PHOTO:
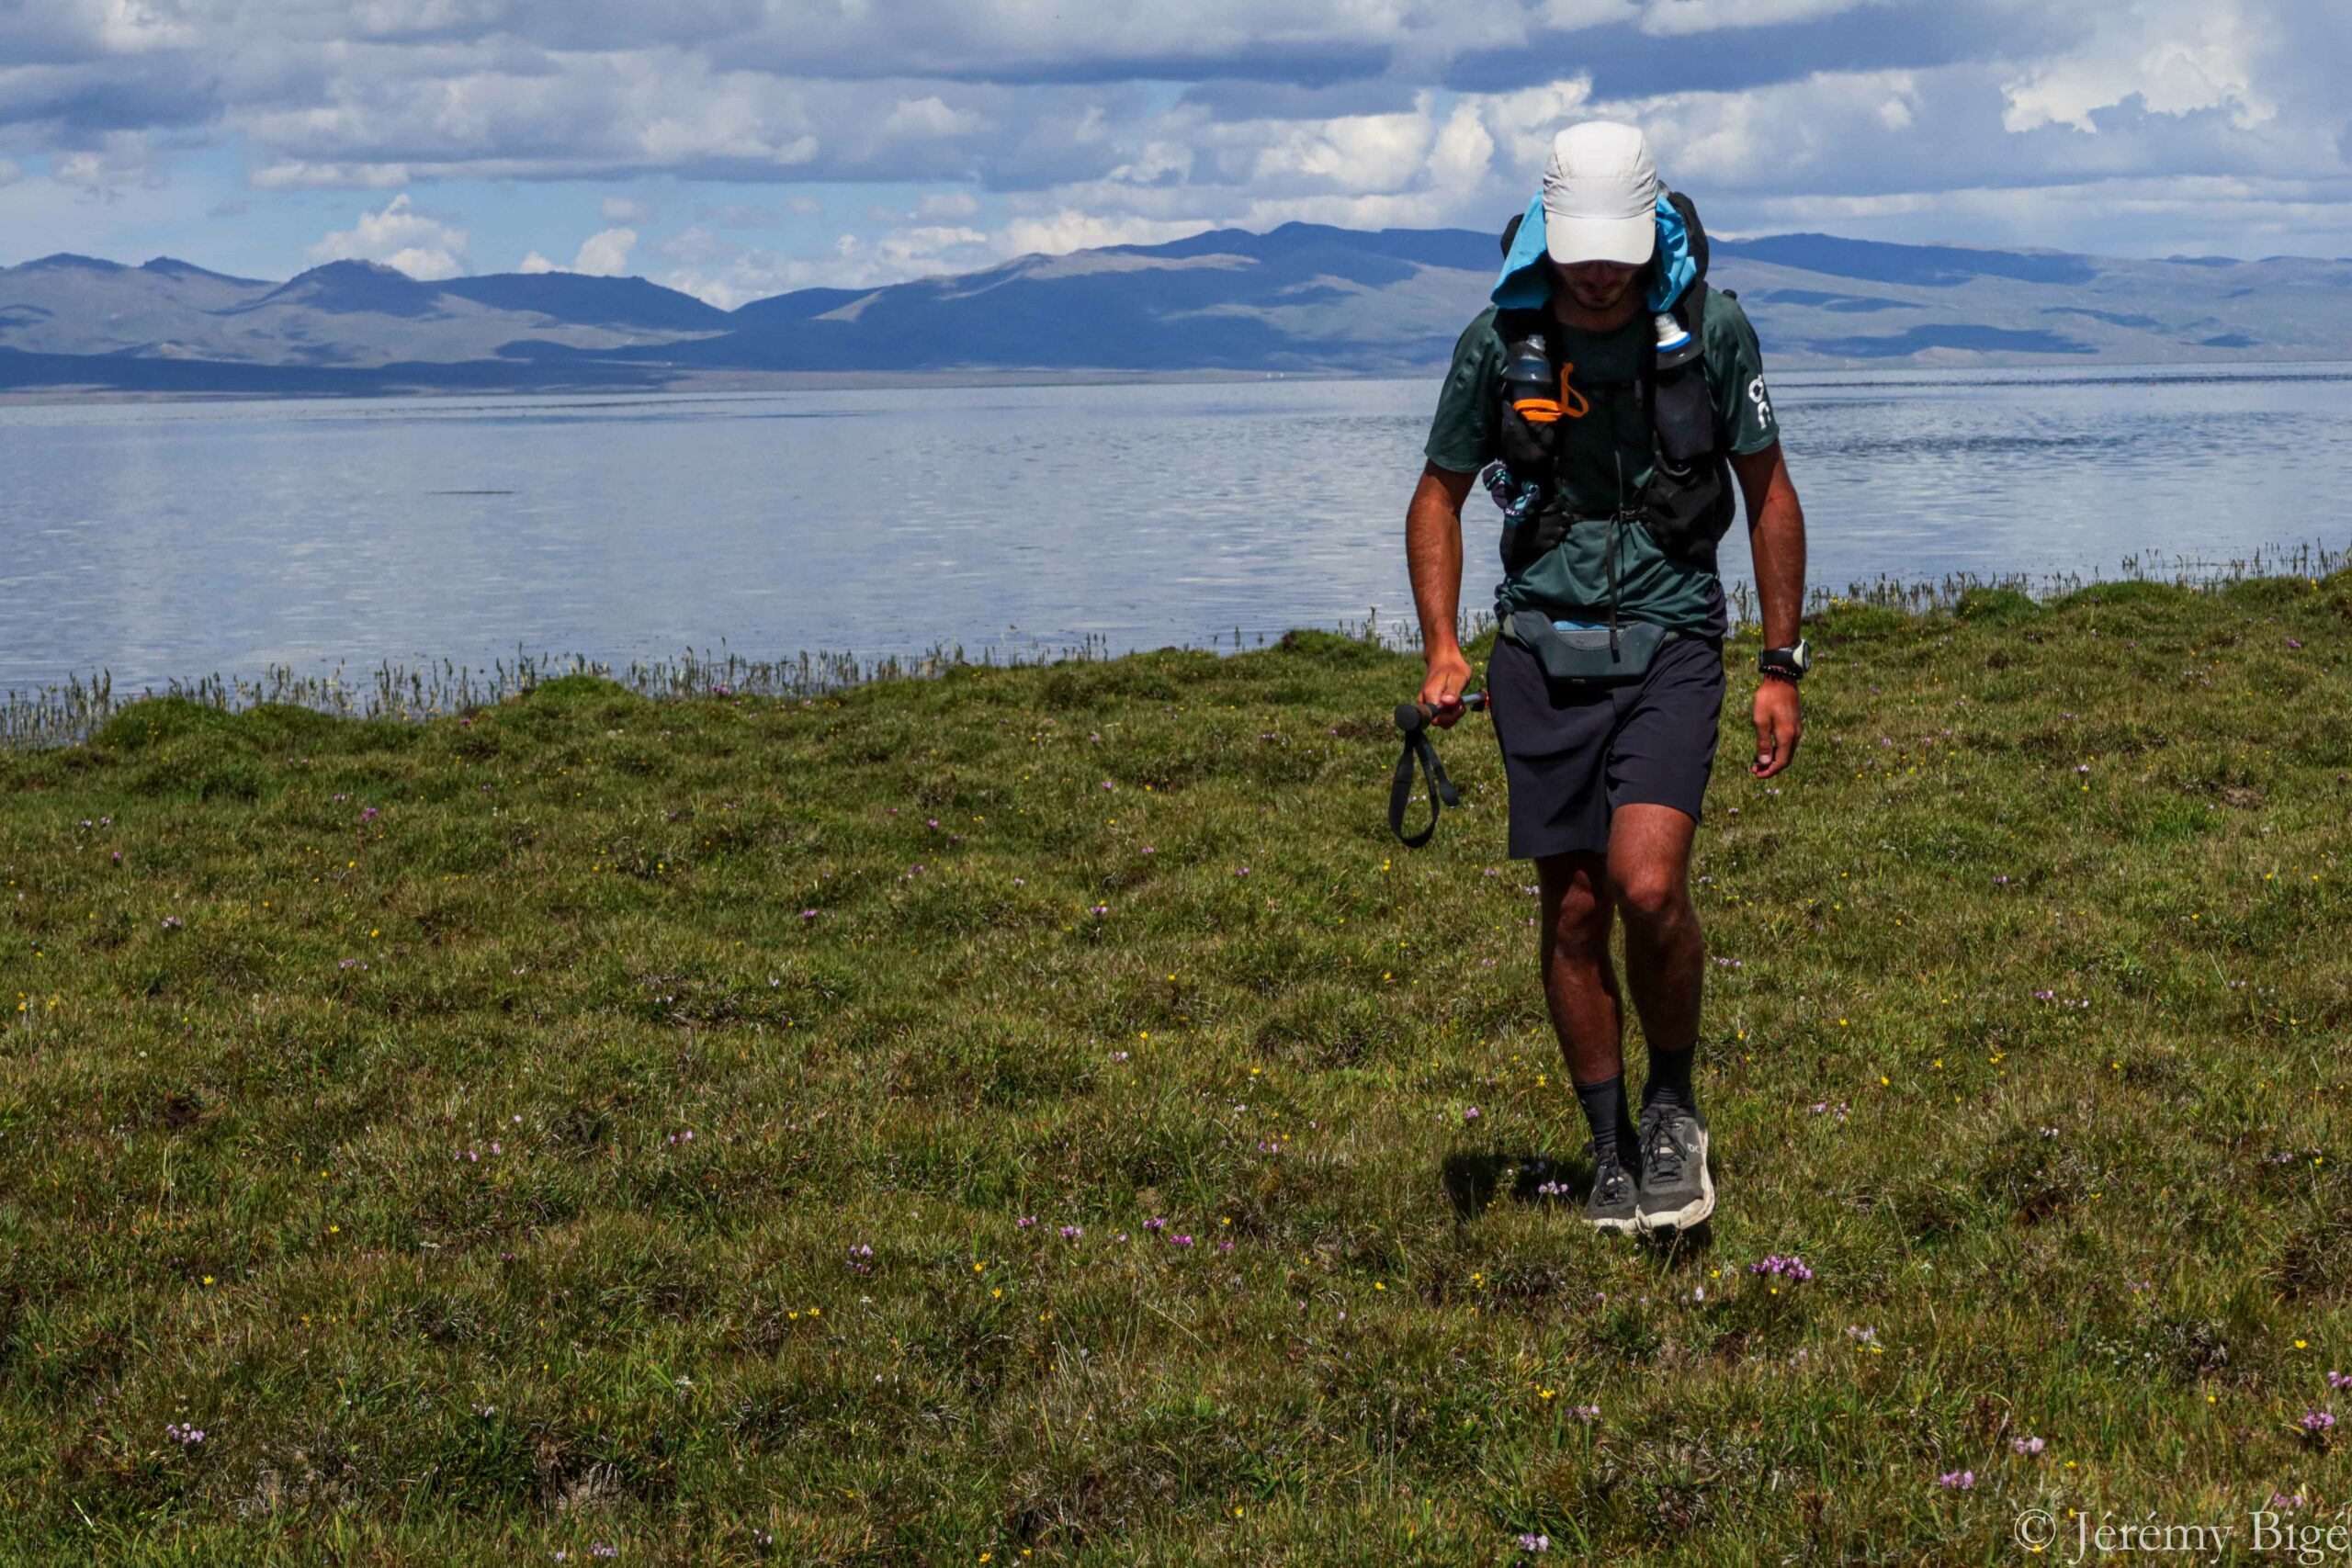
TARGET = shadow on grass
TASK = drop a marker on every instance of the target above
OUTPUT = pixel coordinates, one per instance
(1475, 1184)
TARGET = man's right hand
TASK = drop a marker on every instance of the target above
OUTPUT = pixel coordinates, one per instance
(1441, 689)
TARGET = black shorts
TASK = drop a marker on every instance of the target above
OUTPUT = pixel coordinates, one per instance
(1572, 756)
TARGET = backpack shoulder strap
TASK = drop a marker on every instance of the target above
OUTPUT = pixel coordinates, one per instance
(1694, 231)
(1691, 311)
(1513, 325)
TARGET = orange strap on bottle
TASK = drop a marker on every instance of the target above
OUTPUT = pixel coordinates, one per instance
(1572, 404)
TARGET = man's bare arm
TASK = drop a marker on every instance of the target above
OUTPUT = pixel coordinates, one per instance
(1433, 556)
(1776, 539)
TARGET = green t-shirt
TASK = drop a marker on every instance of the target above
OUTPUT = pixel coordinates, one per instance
(1573, 580)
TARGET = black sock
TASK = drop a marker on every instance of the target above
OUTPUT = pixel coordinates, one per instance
(1670, 1078)
(1604, 1111)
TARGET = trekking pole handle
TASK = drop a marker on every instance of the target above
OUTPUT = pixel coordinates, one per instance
(1411, 717)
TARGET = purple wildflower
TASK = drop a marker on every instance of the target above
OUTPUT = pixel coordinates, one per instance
(1957, 1480)
(1790, 1268)
(2027, 1445)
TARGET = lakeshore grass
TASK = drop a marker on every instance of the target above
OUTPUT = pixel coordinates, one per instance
(599, 1125)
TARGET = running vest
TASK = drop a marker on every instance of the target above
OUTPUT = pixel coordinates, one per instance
(1687, 504)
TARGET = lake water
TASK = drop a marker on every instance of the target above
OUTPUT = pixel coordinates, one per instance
(180, 539)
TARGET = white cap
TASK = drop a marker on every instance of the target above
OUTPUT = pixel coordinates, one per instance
(1601, 195)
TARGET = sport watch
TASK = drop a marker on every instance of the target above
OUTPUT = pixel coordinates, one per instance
(1791, 662)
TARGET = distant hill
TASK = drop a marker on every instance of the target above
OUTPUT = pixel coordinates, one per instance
(1302, 298)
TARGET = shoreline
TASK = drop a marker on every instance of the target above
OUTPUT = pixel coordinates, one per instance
(1788, 371)
(67, 711)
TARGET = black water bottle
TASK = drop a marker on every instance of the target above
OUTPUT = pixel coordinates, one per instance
(1528, 383)
(1686, 414)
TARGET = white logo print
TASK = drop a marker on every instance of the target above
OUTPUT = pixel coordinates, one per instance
(1756, 396)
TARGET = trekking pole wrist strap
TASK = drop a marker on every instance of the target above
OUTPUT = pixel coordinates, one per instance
(1400, 787)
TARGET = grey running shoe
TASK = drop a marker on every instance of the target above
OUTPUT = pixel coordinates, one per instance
(1676, 1191)
(1611, 1205)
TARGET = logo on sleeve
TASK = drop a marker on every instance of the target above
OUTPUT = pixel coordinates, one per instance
(1763, 408)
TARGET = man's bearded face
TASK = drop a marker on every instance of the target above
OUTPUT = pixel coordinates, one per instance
(1596, 286)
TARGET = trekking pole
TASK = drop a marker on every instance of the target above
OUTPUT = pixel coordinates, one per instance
(1414, 721)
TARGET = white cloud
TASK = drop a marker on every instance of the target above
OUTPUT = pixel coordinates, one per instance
(1057, 233)
(2174, 56)
(295, 173)
(9, 173)
(930, 117)
(606, 253)
(1670, 19)
(1040, 128)
(118, 160)
(603, 254)
(399, 236)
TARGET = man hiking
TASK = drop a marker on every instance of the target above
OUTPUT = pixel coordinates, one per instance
(1608, 395)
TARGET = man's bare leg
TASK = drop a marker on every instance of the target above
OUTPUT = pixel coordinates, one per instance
(1649, 883)
(1580, 987)
(1579, 981)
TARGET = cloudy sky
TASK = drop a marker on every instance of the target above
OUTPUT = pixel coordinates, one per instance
(740, 148)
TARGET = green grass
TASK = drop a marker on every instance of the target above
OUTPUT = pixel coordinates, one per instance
(350, 1071)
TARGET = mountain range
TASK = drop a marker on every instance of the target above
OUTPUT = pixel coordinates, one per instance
(1302, 298)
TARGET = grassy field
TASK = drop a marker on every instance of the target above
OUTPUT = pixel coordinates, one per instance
(1039, 1116)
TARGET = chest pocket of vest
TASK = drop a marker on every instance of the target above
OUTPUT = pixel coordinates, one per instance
(1688, 504)
(1685, 416)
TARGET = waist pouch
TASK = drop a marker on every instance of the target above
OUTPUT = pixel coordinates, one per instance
(1588, 657)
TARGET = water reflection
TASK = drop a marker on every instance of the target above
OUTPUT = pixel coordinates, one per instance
(184, 538)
